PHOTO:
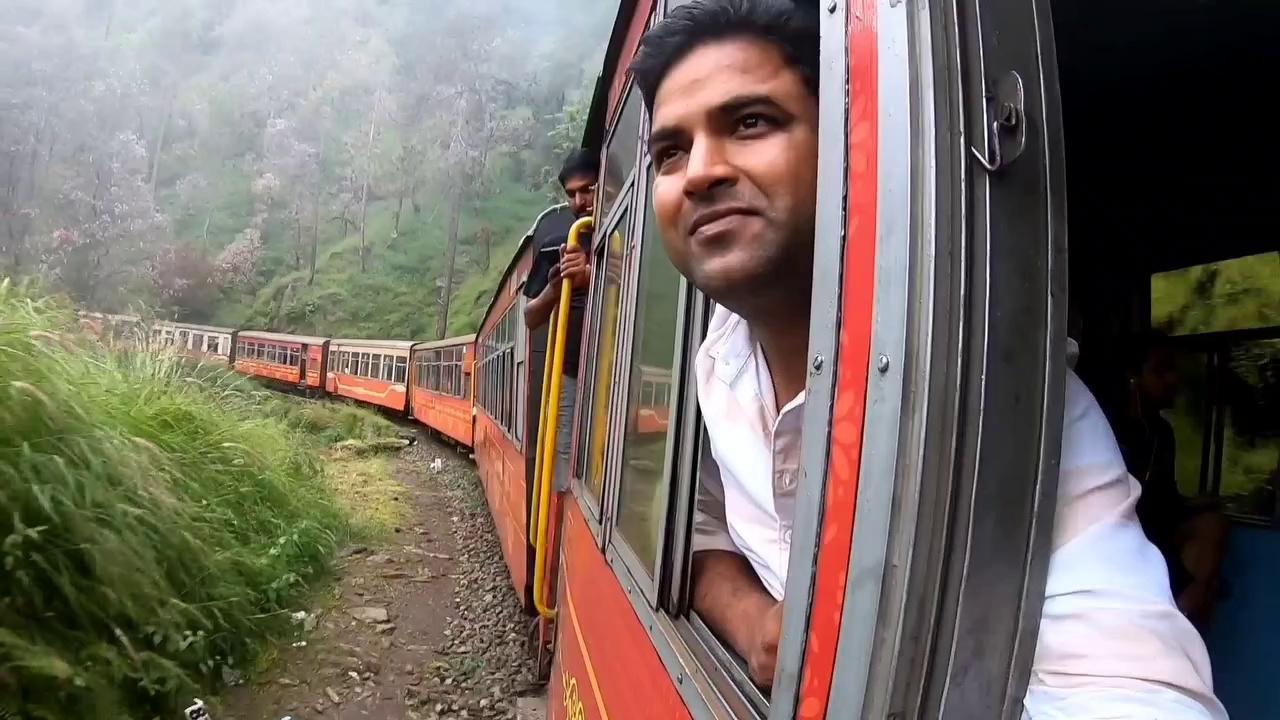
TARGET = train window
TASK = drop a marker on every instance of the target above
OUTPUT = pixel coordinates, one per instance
(621, 152)
(402, 369)
(613, 252)
(1235, 294)
(363, 370)
(1251, 429)
(647, 444)
(375, 366)
(198, 342)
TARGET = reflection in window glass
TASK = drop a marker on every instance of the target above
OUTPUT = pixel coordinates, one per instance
(1228, 295)
(620, 156)
(640, 506)
(1251, 444)
(614, 253)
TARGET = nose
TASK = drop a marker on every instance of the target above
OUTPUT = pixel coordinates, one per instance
(707, 168)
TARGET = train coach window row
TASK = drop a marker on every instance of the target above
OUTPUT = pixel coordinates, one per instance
(268, 352)
(440, 371)
(499, 390)
(375, 366)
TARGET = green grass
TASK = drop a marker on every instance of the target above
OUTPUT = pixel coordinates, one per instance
(328, 423)
(156, 521)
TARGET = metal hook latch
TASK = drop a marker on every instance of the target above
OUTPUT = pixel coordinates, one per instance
(1008, 135)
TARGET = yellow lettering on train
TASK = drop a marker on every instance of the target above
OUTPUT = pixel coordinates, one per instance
(573, 709)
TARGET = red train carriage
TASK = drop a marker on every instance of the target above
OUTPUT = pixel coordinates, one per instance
(371, 371)
(296, 360)
(508, 382)
(441, 388)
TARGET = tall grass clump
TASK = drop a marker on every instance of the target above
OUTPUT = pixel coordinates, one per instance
(155, 523)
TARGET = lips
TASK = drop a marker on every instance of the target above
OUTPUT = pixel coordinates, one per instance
(712, 216)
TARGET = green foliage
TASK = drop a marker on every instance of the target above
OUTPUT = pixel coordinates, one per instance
(329, 422)
(155, 523)
(1228, 295)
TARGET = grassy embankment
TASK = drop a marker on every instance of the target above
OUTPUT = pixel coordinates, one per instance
(157, 520)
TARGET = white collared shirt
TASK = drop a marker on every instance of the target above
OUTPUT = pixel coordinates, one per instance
(1112, 643)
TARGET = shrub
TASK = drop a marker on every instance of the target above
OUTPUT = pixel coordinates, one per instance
(155, 522)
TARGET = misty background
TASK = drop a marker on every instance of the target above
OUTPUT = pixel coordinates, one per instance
(338, 167)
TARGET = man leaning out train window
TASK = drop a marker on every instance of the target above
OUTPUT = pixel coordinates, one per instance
(731, 86)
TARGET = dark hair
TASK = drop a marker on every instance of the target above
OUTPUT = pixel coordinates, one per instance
(790, 25)
(581, 162)
(1142, 346)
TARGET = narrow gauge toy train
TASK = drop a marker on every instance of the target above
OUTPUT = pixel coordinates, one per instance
(925, 496)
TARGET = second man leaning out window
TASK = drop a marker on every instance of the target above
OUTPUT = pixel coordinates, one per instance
(553, 262)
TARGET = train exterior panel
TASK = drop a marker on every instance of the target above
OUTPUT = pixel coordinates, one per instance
(370, 371)
(441, 388)
(621, 678)
(281, 357)
(506, 408)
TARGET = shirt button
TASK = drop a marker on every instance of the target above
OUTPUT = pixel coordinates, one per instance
(786, 481)
(786, 537)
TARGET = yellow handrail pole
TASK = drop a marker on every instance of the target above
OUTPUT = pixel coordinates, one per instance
(542, 431)
(548, 458)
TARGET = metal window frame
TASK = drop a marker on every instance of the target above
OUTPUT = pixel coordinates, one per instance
(650, 583)
(824, 335)
(595, 508)
(949, 589)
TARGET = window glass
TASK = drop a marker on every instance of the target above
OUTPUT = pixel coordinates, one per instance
(363, 370)
(614, 253)
(641, 494)
(402, 365)
(620, 156)
(375, 366)
(1251, 443)
(1229, 295)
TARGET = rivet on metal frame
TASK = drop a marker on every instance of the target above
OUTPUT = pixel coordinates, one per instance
(882, 364)
(831, 6)
(818, 363)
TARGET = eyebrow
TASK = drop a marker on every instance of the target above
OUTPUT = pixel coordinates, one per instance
(733, 105)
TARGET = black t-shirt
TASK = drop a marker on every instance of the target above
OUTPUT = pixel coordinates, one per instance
(1150, 455)
(551, 233)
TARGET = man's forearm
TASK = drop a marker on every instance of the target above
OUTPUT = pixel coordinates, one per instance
(727, 595)
(538, 311)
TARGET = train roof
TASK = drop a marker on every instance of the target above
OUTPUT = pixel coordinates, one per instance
(515, 257)
(447, 342)
(388, 344)
(598, 111)
(283, 337)
(202, 328)
(116, 317)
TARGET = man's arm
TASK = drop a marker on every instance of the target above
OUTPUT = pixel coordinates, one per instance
(730, 599)
(727, 593)
(538, 310)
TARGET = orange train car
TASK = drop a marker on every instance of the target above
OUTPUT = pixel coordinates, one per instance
(370, 371)
(508, 382)
(440, 386)
(295, 360)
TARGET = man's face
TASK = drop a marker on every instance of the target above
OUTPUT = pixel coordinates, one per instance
(1158, 381)
(735, 149)
(581, 191)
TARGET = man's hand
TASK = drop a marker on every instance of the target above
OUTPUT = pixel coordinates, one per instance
(763, 659)
(574, 266)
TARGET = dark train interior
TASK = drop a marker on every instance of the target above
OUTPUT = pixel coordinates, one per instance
(1173, 177)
